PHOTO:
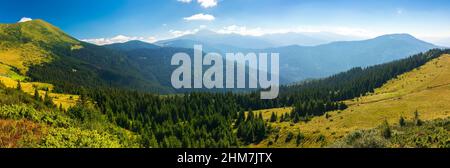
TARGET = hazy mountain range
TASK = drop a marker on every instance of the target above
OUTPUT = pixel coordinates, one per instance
(299, 62)
(45, 53)
(219, 41)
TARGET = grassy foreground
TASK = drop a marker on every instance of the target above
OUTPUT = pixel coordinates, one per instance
(425, 90)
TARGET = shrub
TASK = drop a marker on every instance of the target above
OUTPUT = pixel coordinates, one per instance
(362, 139)
(77, 138)
(22, 111)
(276, 137)
(321, 138)
(289, 137)
(299, 138)
(386, 130)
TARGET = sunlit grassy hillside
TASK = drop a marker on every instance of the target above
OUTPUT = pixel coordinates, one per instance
(65, 100)
(26, 122)
(425, 89)
(30, 43)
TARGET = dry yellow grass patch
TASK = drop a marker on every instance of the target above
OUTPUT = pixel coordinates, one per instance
(66, 100)
(425, 89)
(4, 69)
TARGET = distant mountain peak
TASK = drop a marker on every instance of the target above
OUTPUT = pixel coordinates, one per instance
(404, 37)
(399, 36)
(137, 42)
(132, 45)
(390, 39)
(206, 32)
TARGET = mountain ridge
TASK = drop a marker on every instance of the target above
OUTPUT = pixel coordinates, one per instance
(39, 51)
(298, 63)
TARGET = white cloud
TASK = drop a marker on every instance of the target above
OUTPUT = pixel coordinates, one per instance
(359, 32)
(178, 33)
(185, 1)
(207, 3)
(242, 30)
(119, 39)
(200, 16)
(246, 31)
(25, 19)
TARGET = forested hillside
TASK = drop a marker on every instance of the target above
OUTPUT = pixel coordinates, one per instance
(212, 117)
(315, 97)
(115, 98)
(38, 51)
(34, 121)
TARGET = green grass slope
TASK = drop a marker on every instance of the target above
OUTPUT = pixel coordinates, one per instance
(425, 89)
(31, 43)
(38, 51)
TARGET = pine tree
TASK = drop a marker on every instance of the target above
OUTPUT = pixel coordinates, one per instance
(289, 137)
(250, 115)
(48, 100)
(299, 138)
(241, 118)
(150, 140)
(286, 117)
(273, 117)
(386, 130)
(296, 118)
(19, 86)
(417, 120)
(36, 95)
(402, 121)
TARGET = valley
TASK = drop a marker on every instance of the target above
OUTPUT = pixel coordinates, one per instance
(57, 91)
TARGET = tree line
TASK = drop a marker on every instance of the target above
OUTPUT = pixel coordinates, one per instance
(226, 119)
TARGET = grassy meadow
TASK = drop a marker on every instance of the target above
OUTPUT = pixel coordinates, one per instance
(424, 90)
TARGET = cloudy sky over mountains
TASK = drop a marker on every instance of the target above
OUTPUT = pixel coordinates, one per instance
(105, 21)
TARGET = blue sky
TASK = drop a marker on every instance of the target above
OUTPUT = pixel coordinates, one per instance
(152, 20)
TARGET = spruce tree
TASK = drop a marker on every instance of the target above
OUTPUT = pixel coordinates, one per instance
(299, 138)
(402, 121)
(296, 118)
(417, 120)
(250, 115)
(386, 130)
(36, 95)
(19, 86)
(48, 100)
(241, 118)
(273, 117)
